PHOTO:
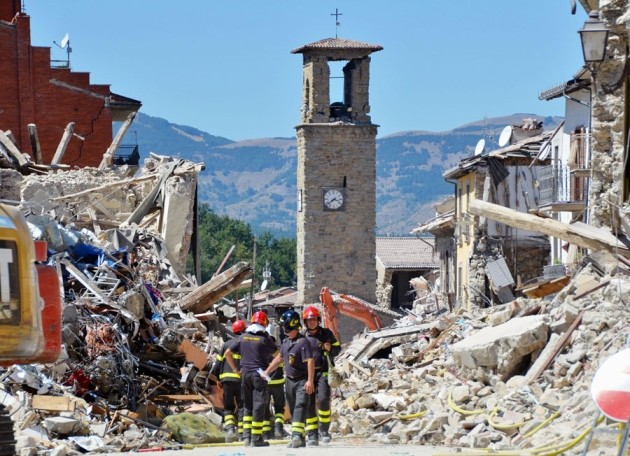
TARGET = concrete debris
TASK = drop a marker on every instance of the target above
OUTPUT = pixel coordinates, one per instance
(138, 335)
(496, 379)
(133, 352)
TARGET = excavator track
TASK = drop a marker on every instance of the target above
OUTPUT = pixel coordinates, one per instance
(7, 437)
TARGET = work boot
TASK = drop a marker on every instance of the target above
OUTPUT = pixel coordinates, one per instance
(247, 439)
(258, 441)
(312, 440)
(278, 431)
(324, 436)
(297, 441)
(231, 435)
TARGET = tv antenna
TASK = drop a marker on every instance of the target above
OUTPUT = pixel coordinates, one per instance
(65, 44)
(337, 23)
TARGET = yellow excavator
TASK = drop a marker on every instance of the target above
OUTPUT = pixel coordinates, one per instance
(30, 305)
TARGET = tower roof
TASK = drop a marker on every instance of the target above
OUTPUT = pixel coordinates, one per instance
(336, 44)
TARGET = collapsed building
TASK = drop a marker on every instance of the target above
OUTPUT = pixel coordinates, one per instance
(138, 335)
(132, 318)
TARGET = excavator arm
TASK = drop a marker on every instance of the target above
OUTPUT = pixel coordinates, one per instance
(346, 305)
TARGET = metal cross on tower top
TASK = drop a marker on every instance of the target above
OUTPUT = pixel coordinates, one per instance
(337, 23)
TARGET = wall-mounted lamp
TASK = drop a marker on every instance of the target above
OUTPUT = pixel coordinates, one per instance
(594, 36)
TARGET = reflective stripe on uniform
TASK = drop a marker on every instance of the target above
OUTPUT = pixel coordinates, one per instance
(297, 427)
(257, 427)
(324, 416)
(229, 420)
(311, 424)
(229, 375)
(279, 381)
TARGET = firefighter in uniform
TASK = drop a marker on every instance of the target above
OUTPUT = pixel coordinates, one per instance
(326, 347)
(256, 348)
(231, 383)
(299, 369)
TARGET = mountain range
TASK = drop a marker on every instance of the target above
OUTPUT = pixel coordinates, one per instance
(255, 180)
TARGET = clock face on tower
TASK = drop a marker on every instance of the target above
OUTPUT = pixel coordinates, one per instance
(334, 198)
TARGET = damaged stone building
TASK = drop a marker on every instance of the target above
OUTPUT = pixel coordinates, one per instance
(487, 259)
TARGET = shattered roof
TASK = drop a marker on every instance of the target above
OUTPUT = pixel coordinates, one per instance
(286, 296)
(526, 148)
(406, 253)
(444, 221)
(337, 44)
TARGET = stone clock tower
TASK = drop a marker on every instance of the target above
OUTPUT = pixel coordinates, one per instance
(336, 177)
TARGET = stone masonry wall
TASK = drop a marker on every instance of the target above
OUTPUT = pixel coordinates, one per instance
(337, 249)
(608, 119)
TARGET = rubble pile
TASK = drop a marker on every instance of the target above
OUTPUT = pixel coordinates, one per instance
(515, 376)
(138, 333)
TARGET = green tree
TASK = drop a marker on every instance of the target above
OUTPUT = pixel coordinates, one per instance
(218, 233)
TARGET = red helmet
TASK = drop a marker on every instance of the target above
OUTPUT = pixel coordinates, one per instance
(238, 326)
(311, 312)
(260, 317)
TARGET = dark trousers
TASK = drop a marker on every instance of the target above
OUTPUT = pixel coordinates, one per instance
(276, 392)
(300, 404)
(255, 401)
(232, 403)
(323, 401)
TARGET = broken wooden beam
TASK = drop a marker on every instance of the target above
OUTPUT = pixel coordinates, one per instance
(108, 186)
(35, 146)
(54, 403)
(108, 156)
(205, 296)
(580, 234)
(540, 365)
(546, 288)
(63, 144)
(12, 149)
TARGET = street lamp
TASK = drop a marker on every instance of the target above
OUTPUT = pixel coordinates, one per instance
(594, 36)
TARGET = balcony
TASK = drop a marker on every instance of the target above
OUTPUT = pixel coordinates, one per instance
(564, 186)
(562, 190)
(579, 154)
(127, 155)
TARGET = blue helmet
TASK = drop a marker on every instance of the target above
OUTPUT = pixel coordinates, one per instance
(290, 320)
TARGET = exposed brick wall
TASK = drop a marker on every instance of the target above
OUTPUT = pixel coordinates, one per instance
(33, 92)
(8, 9)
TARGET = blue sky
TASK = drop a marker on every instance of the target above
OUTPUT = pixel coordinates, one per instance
(225, 67)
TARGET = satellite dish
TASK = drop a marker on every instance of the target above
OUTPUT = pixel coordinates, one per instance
(480, 147)
(263, 287)
(505, 137)
(64, 41)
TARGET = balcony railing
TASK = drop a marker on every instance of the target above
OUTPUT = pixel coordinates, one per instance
(579, 157)
(564, 186)
(60, 64)
(127, 155)
(559, 185)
